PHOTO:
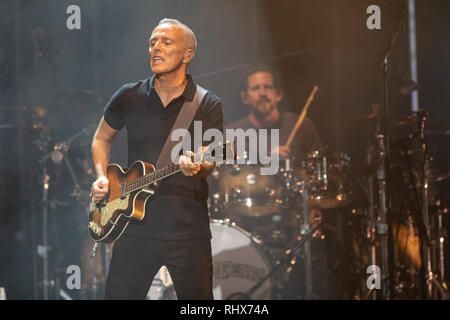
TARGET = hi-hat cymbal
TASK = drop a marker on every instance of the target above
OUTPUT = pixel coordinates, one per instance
(413, 120)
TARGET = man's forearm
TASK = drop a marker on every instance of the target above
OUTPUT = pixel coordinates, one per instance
(100, 155)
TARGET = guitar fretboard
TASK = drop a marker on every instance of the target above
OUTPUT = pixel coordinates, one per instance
(143, 181)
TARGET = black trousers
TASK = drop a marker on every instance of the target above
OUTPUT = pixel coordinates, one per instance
(135, 262)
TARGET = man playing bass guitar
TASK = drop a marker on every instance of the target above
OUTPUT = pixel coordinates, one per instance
(175, 229)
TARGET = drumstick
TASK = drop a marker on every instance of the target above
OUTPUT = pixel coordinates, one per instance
(301, 117)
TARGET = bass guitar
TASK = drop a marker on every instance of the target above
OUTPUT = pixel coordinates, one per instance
(130, 189)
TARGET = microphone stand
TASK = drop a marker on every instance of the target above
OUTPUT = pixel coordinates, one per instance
(385, 225)
(44, 248)
(58, 155)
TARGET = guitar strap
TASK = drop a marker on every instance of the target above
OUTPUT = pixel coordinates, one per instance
(183, 121)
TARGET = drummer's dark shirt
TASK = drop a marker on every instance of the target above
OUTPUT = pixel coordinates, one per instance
(305, 141)
(178, 210)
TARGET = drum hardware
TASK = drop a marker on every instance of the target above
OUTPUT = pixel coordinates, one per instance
(442, 235)
(429, 249)
(384, 174)
(44, 246)
(305, 232)
(328, 177)
(286, 262)
(432, 235)
(382, 225)
(371, 214)
(301, 247)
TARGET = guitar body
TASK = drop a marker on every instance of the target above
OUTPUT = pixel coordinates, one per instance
(130, 190)
(109, 218)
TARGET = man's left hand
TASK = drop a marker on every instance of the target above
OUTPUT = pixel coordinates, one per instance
(191, 169)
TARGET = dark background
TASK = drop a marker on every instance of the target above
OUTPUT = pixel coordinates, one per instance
(55, 82)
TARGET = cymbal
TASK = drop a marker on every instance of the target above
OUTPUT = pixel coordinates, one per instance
(442, 177)
(413, 120)
(401, 120)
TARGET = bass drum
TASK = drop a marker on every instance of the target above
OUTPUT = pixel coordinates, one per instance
(239, 262)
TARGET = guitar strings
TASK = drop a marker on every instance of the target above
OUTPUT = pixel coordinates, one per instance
(116, 191)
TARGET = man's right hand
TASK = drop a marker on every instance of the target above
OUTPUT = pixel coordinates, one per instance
(100, 188)
(283, 151)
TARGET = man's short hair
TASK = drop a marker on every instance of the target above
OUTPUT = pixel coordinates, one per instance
(192, 42)
(250, 70)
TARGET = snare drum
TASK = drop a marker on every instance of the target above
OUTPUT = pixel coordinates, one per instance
(239, 262)
(244, 192)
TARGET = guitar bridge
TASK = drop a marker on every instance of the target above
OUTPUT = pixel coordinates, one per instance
(95, 228)
(92, 207)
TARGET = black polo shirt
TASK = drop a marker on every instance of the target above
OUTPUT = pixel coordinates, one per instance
(178, 210)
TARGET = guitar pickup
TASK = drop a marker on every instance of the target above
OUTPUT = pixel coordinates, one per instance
(148, 190)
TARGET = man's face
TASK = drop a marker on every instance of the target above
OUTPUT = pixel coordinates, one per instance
(261, 95)
(167, 49)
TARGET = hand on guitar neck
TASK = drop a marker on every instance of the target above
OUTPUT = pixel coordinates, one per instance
(189, 168)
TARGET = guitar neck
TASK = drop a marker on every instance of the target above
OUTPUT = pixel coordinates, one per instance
(210, 155)
(144, 181)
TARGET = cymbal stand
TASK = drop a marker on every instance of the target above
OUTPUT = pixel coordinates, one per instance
(441, 237)
(372, 223)
(287, 182)
(382, 226)
(429, 249)
(384, 174)
(418, 221)
(306, 232)
(442, 234)
(43, 249)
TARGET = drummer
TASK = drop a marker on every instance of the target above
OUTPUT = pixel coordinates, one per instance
(262, 93)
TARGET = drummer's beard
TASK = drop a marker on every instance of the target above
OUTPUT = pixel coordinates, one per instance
(263, 107)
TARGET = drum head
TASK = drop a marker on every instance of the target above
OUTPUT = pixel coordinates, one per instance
(238, 264)
(245, 192)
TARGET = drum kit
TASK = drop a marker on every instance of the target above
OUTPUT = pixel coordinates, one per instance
(281, 217)
(260, 229)
(317, 228)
